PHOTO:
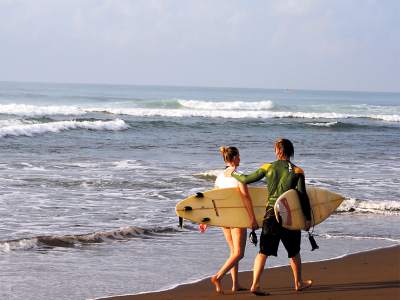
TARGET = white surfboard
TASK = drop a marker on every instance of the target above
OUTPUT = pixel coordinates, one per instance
(322, 202)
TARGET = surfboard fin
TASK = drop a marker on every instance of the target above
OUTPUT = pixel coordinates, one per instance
(199, 195)
(180, 222)
(313, 243)
(187, 208)
(204, 220)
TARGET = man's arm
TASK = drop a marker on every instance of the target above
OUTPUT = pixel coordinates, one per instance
(304, 200)
(250, 178)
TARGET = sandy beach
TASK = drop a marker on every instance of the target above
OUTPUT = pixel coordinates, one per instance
(367, 275)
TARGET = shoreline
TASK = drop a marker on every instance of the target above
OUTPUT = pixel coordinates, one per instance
(378, 269)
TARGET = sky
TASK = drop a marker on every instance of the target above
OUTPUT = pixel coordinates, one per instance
(294, 44)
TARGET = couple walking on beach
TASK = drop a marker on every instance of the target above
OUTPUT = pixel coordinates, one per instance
(281, 176)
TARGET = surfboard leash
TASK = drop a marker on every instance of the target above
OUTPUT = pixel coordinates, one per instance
(311, 238)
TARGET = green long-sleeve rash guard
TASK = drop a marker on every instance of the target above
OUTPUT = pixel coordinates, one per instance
(281, 176)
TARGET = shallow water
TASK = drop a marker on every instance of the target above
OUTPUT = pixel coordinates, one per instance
(90, 176)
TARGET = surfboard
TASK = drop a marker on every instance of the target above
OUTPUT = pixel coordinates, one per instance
(223, 207)
(323, 203)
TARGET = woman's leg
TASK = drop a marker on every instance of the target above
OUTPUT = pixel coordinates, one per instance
(216, 280)
(236, 239)
(239, 246)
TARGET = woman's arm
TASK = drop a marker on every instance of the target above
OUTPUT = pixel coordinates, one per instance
(246, 199)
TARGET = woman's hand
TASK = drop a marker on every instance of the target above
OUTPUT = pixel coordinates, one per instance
(254, 224)
(228, 171)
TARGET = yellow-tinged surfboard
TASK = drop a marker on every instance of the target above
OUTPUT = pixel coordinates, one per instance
(224, 207)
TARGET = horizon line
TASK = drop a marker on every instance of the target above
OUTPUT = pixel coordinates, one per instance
(199, 86)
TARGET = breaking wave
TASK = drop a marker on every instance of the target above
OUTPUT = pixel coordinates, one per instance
(242, 114)
(325, 124)
(197, 108)
(35, 129)
(52, 241)
(38, 110)
(370, 206)
(228, 105)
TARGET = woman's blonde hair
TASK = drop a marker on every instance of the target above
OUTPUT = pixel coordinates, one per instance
(228, 153)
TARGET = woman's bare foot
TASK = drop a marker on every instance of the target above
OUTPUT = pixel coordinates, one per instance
(239, 289)
(217, 283)
(304, 285)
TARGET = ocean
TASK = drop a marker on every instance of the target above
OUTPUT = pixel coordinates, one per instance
(90, 175)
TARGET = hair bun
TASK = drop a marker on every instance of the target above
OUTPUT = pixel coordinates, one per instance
(223, 149)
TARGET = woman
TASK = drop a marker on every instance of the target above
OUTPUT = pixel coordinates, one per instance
(281, 176)
(235, 237)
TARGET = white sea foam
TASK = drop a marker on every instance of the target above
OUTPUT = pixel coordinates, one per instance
(128, 165)
(370, 206)
(194, 108)
(352, 237)
(324, 124)
(34, 129)
(240, 114)
(388, 118)
(14, 122)
(209, 175)
(228, 105)
(36, 110)
(23, 244)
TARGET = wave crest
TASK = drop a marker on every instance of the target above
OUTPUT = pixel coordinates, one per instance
(231, 105)
(370, 206)
(81, 239)
(35, 129)
(197, 108)
(36, 110)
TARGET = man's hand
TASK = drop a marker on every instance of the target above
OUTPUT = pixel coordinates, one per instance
(228, 171)
(307, 225)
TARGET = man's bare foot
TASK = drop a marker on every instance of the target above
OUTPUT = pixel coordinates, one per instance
(304, 285)
(258, 292)
(218, 287)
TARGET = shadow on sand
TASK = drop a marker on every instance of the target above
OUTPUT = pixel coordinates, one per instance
(345, 287)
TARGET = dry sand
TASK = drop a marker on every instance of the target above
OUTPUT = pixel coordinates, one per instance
(366, 275)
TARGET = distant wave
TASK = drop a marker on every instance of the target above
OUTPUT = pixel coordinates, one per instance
(370, 206)
(324, 124)
(194, 108)
(228, 105)
(34, 129)
(239, 114)
(80, 239)
(37, 110)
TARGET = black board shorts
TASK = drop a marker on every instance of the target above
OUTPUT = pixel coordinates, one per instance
(272, 233)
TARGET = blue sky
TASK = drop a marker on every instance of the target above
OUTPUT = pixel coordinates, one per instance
(297, 44)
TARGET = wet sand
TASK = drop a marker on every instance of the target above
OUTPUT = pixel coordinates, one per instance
(367, 275)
